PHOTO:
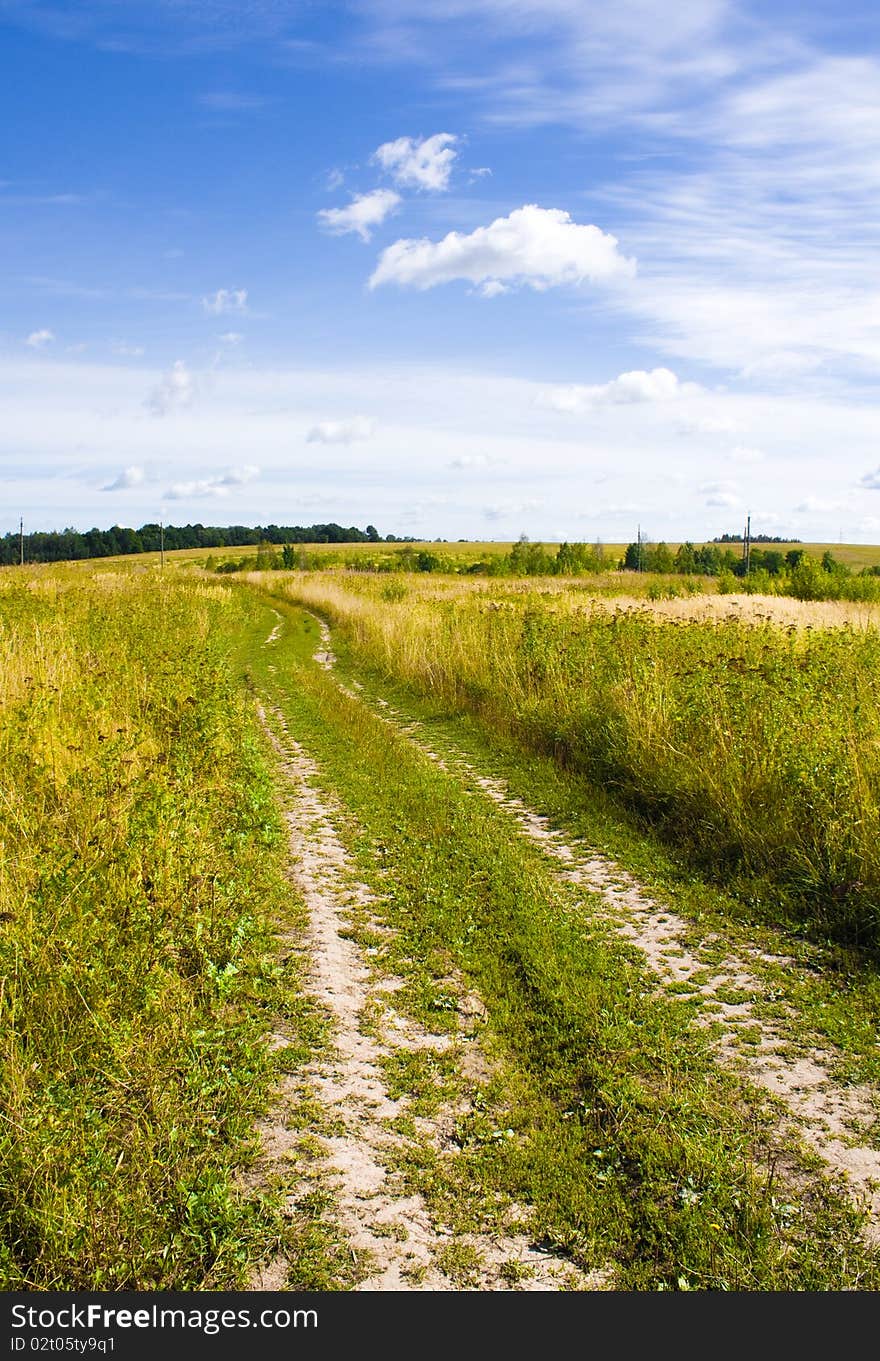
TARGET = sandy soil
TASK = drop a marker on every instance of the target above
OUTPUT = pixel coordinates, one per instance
(390, 1233)
(834, 1120)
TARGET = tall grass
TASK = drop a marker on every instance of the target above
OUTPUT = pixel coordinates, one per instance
(137, 869)
(756, 746)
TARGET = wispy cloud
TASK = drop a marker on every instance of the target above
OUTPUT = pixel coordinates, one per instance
(226, 300)
(37, 340)
(536, 247)
(365, 212)
(341, 432)
(424, 163)
(511, 510)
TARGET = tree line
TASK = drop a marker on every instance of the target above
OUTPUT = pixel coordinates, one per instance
(71, 544)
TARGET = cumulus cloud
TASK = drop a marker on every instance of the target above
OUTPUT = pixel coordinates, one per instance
(424, 163)
(174, 392)
(537, 247)
(658, 385)
(341, 432)
(129, 477)
(226, 300)
(722, 494)
(219, 485)
(37, 339)
(365, 212)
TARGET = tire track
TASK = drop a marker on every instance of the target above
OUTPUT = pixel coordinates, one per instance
(390, 1232)
(836, 1121)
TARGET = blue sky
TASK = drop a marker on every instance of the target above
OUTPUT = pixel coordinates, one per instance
(457, 268)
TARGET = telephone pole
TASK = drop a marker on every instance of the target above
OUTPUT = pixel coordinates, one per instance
(21, 542)
(162, 543)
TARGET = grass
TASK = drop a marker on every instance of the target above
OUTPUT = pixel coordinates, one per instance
(142, 877)
(142, 868)
(755, 747)
(605, 1112)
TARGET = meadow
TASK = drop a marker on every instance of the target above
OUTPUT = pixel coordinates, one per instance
(147, 912)
(745, 729)
(139, 873)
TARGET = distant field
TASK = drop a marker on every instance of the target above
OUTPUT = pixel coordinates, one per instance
(855, 556)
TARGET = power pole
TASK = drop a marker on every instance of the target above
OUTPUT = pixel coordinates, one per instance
(162, 543)
(21, 542)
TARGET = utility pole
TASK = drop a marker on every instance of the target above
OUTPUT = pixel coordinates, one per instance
(162, 543)
(21, 542)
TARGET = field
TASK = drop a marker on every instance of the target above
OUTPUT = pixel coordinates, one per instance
(433, 931)
(854, 556)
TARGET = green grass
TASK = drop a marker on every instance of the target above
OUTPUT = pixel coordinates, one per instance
(753, 747)
(142, 875)
(628, 1143)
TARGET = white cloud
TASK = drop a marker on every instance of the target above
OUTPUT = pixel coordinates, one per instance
(492, 288)
(231, 338)
(871, 480)
(812, 505)
(471, 461)
(37, 339)
(781, 364)
(697, 423)
(341, 432)
(365, 212)
(128, 351)
(174, 392)
(538, 247)
(722, 494)
(219, 485)
(747, 453)
(129, 477)
(658, 385)
(506, 510)
(419, 164)
(226, 300)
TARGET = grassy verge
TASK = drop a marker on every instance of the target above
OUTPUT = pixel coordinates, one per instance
(142, 868)
(609, 1115)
